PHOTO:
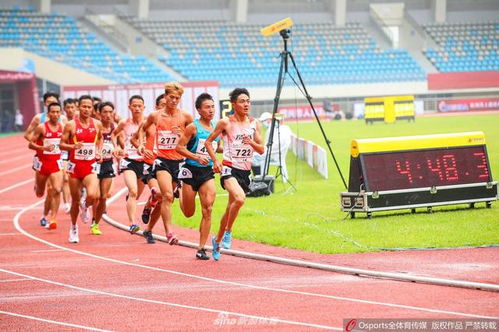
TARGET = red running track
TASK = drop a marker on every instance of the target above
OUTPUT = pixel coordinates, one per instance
(118, 282)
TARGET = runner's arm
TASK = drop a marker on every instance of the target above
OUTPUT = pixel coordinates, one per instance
(219, 129)
(67, 133)
(190, 131)
(31, 128)
(37, 134)
(256, 143)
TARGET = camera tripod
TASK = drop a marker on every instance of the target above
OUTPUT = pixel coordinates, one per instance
(283, 70)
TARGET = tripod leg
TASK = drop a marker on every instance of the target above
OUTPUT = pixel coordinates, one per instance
(280, 83)
(309, 99)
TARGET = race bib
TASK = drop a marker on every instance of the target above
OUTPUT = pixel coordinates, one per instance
(131, 151)
(167, 140)
(52, 142)
(107, 150)
(60, 164)
(37, 164)
(124, 164)
(70, 167)
(64, 154)
(184, 173)
(242, 152)
(226, 170)
(96, 168)
(201, 149)
(86, 152)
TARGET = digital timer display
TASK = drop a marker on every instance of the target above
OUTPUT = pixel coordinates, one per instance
(425, 168)
(423, 171)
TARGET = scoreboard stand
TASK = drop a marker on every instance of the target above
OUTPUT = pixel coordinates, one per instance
(418, 172)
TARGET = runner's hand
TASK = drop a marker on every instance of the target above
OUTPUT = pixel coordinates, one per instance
(217, 166)
(148, 154)
(203, 160)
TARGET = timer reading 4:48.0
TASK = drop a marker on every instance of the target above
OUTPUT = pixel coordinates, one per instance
(425, 168)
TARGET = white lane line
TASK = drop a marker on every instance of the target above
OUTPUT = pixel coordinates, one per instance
(4, 161)
(14, 280)
(12, 170)
(172, 304)
(9, 234)
(51, 321)
(16, 185)
(233, 283)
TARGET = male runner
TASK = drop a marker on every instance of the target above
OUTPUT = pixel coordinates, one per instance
(107, 169)
(45, 140)
(197, 173)
(170, 123)
(48, 98)
(132, 166)
(82, 138)
(241, 137)
(70, 111)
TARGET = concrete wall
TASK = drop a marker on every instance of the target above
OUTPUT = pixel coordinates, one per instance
(12, 59)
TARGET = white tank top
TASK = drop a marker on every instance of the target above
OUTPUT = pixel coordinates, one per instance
(130, 150)
(237, 154)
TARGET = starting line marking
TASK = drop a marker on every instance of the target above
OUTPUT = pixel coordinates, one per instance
(51, 321)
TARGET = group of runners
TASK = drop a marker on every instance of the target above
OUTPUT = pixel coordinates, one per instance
(82, 145)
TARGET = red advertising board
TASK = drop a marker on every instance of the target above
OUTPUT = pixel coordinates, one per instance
(119, 94)
(469, 105)
(463, 80)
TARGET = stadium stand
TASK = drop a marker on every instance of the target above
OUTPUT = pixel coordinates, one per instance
(62, 39)
(464, 47)
(236, 53)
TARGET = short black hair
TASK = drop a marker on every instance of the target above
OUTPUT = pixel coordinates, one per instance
(52, 105)
(49, 94)
(104, 104)
(202, 97)
(236, 93)
(83, 97)
(158, 98)
(135, 97)
(69, 101)
(94, 99)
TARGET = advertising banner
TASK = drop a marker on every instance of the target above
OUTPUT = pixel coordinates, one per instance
(119, 94)
(468, 105)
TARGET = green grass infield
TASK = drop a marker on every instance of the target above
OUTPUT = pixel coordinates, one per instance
(310, 218)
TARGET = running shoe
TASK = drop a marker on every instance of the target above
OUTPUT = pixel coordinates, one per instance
(84, 212)
(95, 229)
(134, 229)
(146, 214)
(227, 240)
(52, 225)
(148, 236)
(172, 239)
(201, 254)
(73, 234)
(66, 207)
(43, 222)
(216, 249)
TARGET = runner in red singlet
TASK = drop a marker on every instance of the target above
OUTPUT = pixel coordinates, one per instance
(45, 140)
(82, 138)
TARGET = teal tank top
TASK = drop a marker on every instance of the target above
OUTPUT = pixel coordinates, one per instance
(196, 144)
